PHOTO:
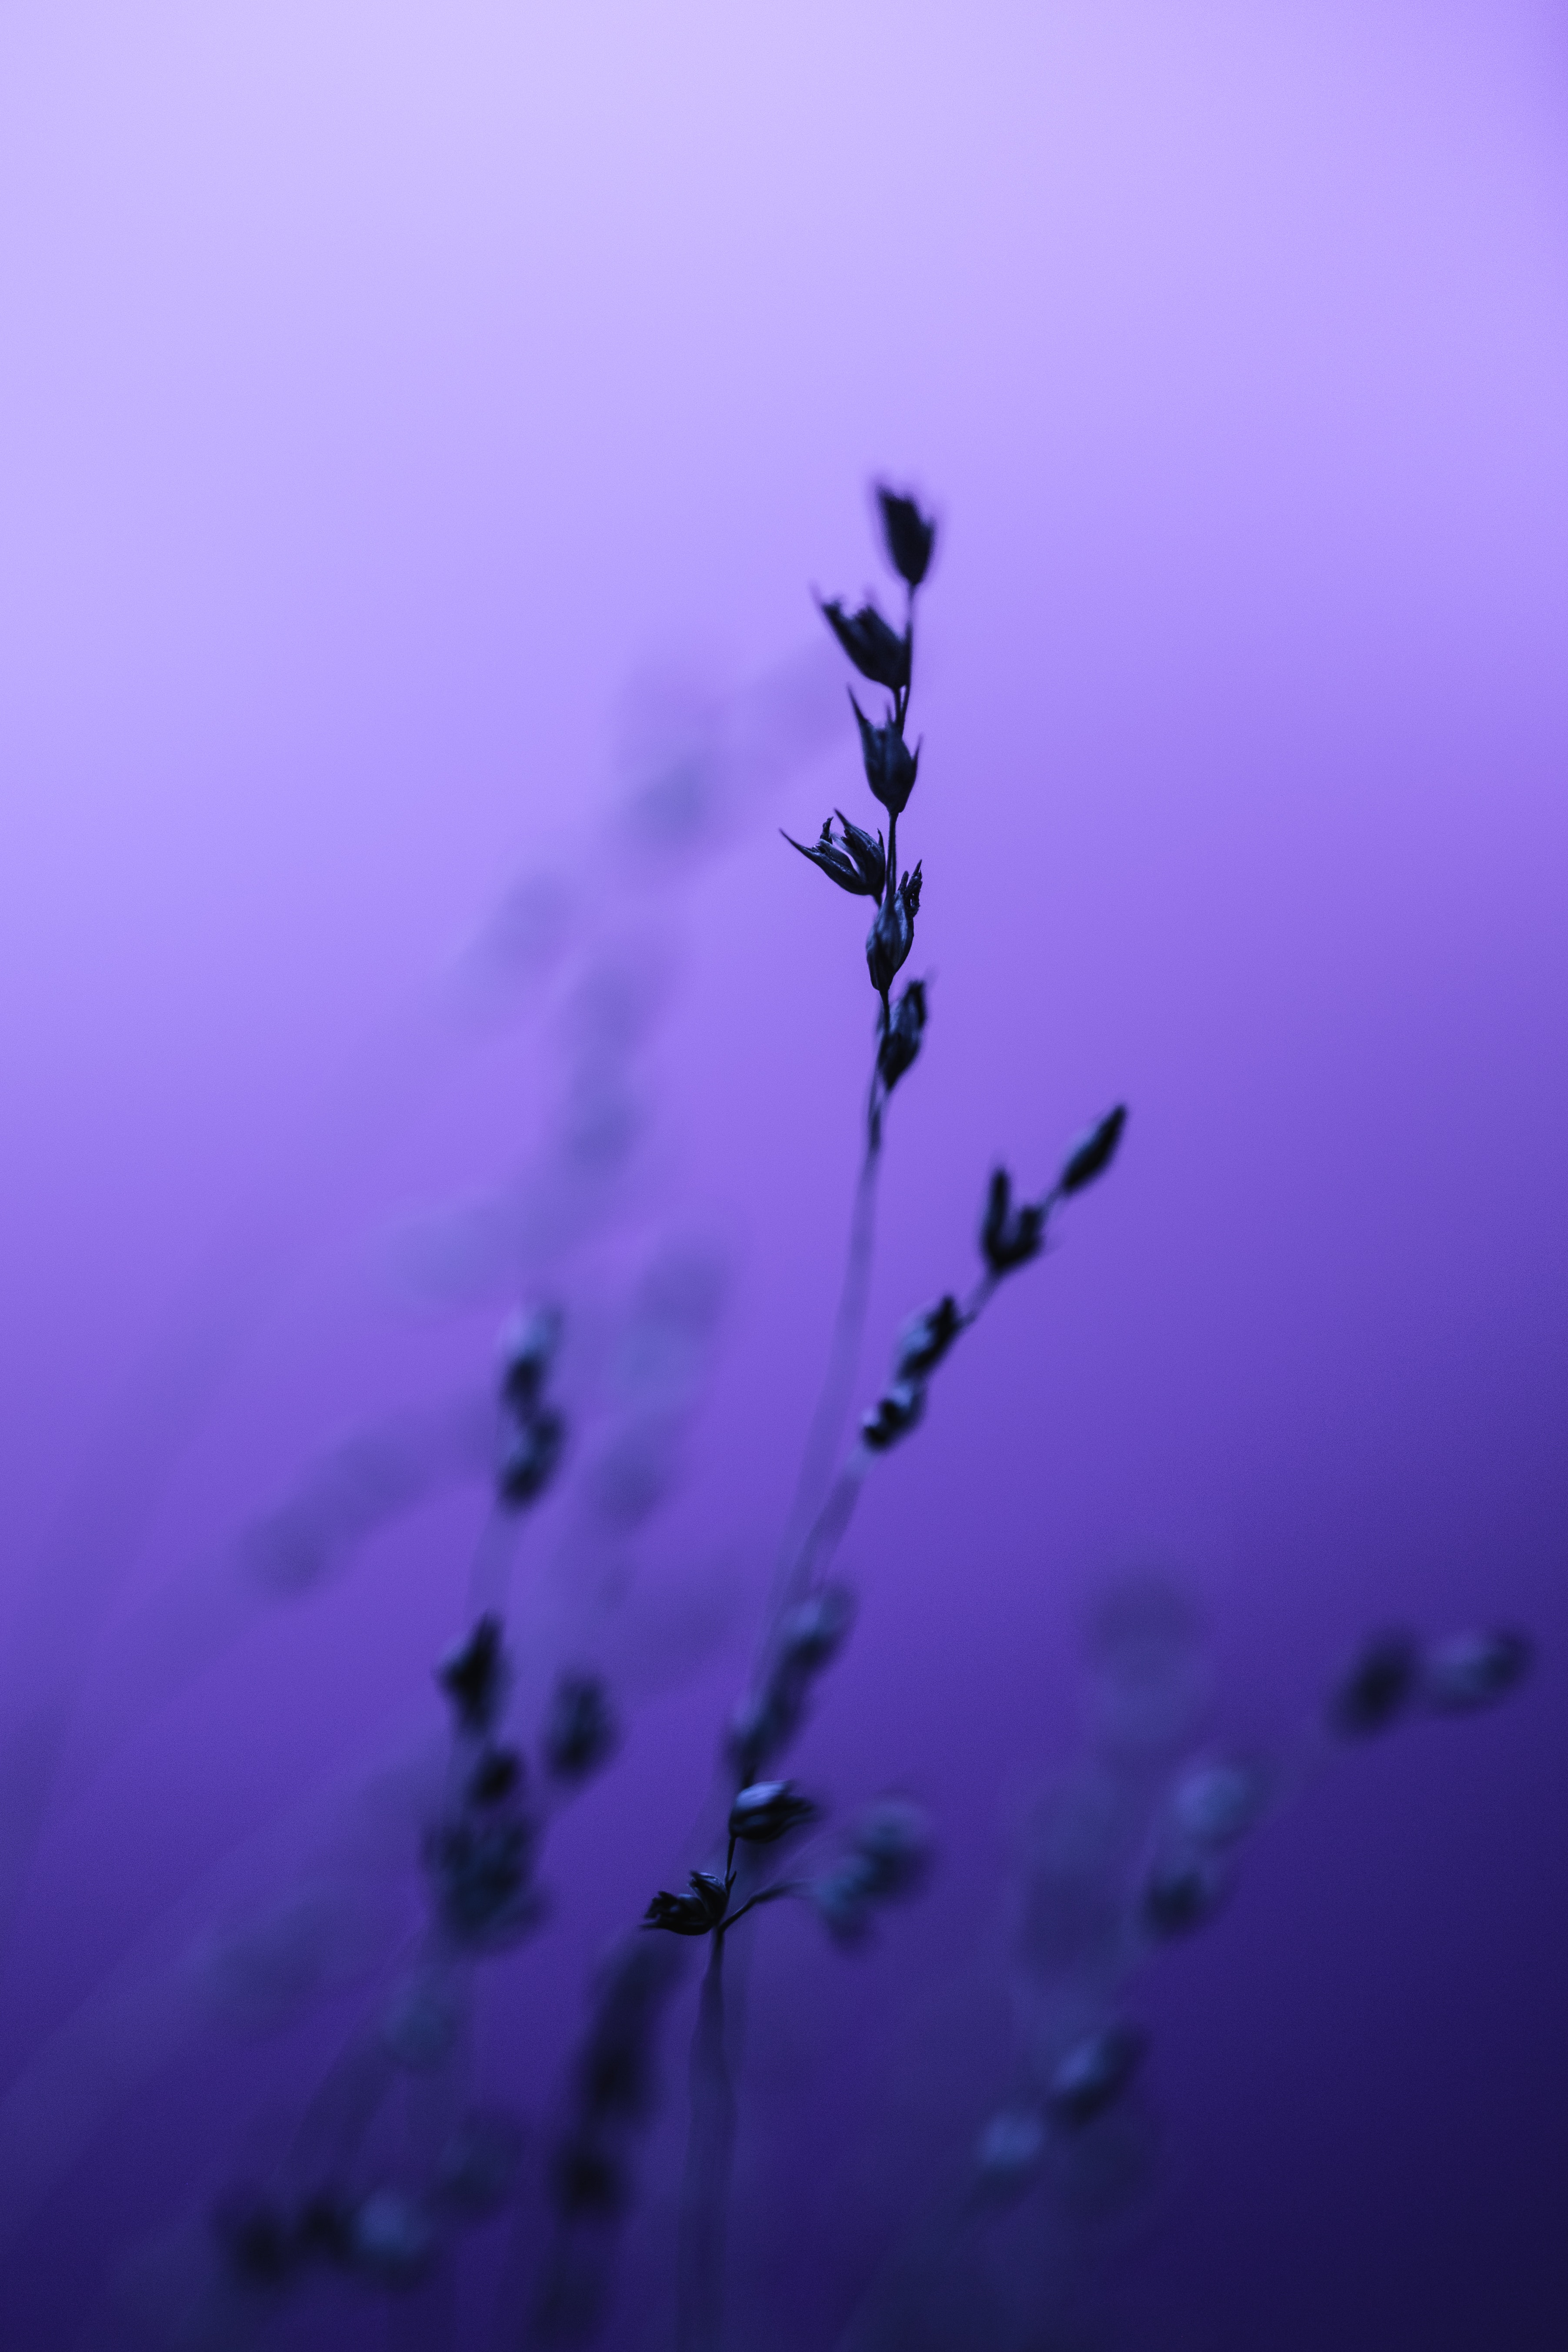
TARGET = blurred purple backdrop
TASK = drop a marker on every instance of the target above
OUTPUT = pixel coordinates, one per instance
(421, 429)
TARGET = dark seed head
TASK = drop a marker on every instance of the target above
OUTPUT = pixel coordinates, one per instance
(580, 1732)
(1379, 1688)
(910, 536)
(1093, 2074)
(770, 1810)
(1476, 1670)
(473, 1675)
(1093, 1154)
(878, 652)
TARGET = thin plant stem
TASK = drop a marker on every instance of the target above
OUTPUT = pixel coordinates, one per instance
(824, 1431)
(710, 2147)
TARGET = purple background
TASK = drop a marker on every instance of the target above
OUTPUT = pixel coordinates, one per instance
(421, 427)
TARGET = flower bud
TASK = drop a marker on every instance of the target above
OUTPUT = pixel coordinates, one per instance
(895, 1413)
(910, 536)
(1093, 1153)
(474, 1676)
(890, 766)
(877, 651)
(770, 1810)
(1009, 1237)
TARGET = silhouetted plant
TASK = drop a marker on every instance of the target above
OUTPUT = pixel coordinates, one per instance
(1138, 1847)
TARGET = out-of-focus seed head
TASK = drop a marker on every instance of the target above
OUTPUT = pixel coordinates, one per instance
(586, 2181)
(1181, 1894)
(845, 1900)
(478, 2170)
(1093, 1153)
(530, 1454)
(1092, 2074)
(815, 1630)
(474, 1676)
(421, 2018)
(1379, 1688)
(255, 2239)
(1214, 1804)
(1471, 1671)
(496, 1778)
(895, 1412)
(893, 1839)
(760, 1724)
(323, 2227)
(1009, 1237)
(580, 1732)
(391, 2238)
(889, 1852)
(926, 1339)
(481, 1868)
(527, 1352)
(1008, 2152)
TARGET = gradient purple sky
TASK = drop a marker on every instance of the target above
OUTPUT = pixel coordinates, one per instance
(414, 419)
